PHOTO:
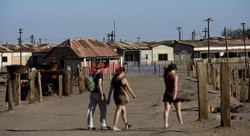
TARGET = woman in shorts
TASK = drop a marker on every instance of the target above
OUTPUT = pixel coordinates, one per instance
(171, 94)
(119, 85)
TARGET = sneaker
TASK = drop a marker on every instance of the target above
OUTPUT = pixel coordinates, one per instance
(91, 128)
(127, 126)
(105, 128)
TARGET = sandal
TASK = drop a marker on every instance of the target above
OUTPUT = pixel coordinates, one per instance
(127, 126)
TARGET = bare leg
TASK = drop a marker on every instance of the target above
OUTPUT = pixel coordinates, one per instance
(117, 115)
(166, 113)
(124, 115)
(178, 111)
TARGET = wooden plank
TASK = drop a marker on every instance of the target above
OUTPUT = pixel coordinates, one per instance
(202, 90)
(225, 94)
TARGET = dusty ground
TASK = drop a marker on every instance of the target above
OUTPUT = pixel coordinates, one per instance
(67, 115)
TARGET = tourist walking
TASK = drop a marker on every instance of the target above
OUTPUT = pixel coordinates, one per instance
(171, 94)
(120, 86)
(97, 97)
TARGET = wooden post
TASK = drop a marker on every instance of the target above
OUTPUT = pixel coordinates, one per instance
(70, 84)
(155, 67)
(146, 68)
(60, 85)
(209, 81)
(217, 78)
(18, 91)
(84, 73)
(202, 90)
(159, 70)
(40, 87)
(225, 94)
(188, 70)
(66, 83)
(9, 89)
(80, 80)
(213, 75)
(248, 86)
(32, 86)
(243, 88)
(194, 71)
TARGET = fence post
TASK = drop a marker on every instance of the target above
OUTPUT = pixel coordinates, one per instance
(60, 87)
(18, 91)
(194, 71)
(209, 81)
(225, 94)
(66, 83)
(40, 87)
(248, 86)
(80, 80)
(202, 90)
(243, 88)
(32, 86)
(9, 89)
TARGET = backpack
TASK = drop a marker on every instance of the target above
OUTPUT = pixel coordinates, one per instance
(90, 83)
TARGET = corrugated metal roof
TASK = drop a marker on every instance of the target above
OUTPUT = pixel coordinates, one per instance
(129, 45)
(89, 47)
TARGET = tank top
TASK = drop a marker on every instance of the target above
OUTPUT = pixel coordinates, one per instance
(118, 86)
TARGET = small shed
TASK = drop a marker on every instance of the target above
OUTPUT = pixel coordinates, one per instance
(70, 53)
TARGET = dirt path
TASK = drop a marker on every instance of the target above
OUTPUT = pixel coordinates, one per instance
(67, 116)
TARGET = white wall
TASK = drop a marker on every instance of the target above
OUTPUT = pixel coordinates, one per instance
(143, 56)
(163, 49)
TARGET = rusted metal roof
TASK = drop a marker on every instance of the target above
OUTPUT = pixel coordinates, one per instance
(89, 47)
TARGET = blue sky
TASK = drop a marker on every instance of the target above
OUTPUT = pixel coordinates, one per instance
(151, 20)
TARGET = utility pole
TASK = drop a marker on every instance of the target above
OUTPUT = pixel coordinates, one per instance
(20, 44)
(244, 40)
(208, 38)
(179, 29)
(193, 35)
(205, 31)
(114, 32)
(225, 33)
(40, 41)
(32, 39)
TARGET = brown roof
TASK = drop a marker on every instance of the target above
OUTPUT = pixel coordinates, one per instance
(89, 47)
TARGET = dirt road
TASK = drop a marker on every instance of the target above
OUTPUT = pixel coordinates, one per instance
(67, 116)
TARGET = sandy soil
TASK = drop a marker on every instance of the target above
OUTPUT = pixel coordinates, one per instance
(67, 115)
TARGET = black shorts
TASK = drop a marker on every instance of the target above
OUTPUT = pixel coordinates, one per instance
(168, 98)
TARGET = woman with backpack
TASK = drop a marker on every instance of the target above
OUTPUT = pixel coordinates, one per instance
(171, 94)
(120, 86)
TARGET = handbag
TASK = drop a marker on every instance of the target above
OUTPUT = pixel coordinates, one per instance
(126, 95)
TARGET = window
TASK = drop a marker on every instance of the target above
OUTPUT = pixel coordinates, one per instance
(4, 59)
(146, 57)
(162, 57)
